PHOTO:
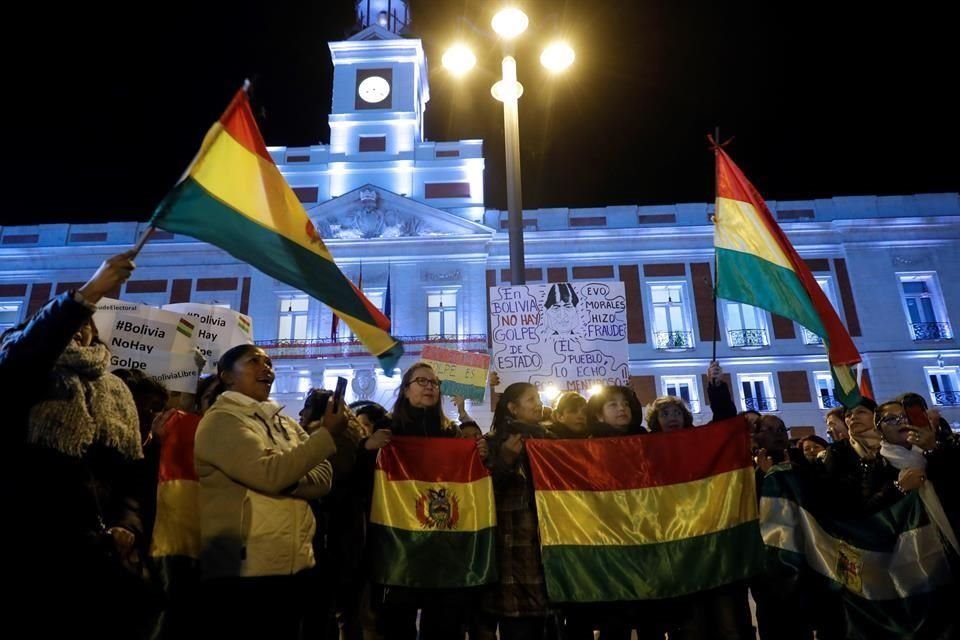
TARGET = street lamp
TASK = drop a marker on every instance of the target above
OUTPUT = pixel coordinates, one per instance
(509, 23)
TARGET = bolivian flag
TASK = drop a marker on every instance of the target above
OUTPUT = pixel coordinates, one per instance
(889, 570)
(234, 197)
(646, 517)
(176, 531)
(757, 265)
(433, 516)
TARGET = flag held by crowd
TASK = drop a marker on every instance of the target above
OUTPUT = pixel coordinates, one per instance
(234, 197)
(433, 517)
(757, 265)
(888, 567)
(636, 518)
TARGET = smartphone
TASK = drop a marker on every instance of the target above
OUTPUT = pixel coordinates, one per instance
(339, 392)
(917, 416)
(318, 403)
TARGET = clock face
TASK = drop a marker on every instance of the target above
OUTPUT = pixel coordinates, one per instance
(373, 89)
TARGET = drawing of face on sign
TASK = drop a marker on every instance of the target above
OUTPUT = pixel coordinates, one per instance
(560, 316)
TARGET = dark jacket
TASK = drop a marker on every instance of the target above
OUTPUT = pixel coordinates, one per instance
(521, 590)
(858, 486)
(27, 356)
(63, 504)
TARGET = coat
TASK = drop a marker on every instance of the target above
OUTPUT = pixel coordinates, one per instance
(257, 470)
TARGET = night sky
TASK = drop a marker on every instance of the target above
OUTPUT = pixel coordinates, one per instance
(105, 108)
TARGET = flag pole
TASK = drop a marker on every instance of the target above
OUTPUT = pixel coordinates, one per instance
(716, 315)
(142, 241)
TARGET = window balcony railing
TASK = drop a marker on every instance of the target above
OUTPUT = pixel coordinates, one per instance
(810, 338)
(930, 331)
(759, 404)
(673, 340)
(350, 347)
(946, 398)
(748, 338)
(829, 402)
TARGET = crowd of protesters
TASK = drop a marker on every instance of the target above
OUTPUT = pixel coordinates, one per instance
(282, 507)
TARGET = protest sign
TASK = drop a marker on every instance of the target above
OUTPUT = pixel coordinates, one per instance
(461, 373)
(572, 335)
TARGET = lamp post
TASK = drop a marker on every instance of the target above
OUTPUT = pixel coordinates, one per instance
(508, 24)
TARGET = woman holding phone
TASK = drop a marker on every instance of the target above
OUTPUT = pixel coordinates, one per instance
(257, 471)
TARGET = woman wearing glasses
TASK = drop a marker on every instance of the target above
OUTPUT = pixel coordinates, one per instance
(443, 614)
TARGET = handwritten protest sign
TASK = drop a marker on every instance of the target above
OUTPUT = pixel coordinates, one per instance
(159, 343)
(572, 335)
(217, 329)
(461, 373)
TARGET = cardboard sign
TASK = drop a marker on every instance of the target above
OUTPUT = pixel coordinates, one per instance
(572, 335)
(461, 373)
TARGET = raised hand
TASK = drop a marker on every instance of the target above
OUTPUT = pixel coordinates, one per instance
(111, 274)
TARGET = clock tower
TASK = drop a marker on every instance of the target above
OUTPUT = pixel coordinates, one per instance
(380, 87)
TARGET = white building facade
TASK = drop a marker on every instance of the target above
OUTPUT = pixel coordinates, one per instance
(405, 214)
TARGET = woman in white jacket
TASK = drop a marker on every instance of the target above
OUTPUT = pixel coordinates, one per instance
(257, 470)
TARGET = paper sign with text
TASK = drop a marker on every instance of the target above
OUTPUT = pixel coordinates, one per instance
(217, 329)
(569, 334)
(461, 373)
(159, 343)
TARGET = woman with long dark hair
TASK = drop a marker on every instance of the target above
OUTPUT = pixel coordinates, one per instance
(518, 602)
(444, 614)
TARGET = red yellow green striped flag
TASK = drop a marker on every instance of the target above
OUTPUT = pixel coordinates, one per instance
(646, 517)
(757, 265)
(433, 516)
(234, 197)
(176, 530)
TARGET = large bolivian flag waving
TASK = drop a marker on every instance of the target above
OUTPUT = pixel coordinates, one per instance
(757, 265)
(646, 517)
(233, 196)
(433, 516)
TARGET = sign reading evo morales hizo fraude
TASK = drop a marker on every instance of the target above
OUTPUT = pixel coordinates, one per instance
(571, 334)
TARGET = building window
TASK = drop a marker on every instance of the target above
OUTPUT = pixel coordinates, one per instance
(307, 194)
(825, 393)
(746, 326)
(372, 143)
(442, 313)
(293, 318)
(757, 392)
(375, 296)
(683, 387)
(923, 303)
(9, 314)
(944, 385)
(446, 190)
(672, 329)
(827, 287)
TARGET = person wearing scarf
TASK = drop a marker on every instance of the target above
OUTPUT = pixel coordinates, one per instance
(908, 459)
(859, 479)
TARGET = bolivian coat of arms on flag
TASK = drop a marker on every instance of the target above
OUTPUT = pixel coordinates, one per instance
(433, 518)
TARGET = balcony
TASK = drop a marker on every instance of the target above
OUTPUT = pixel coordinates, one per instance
(349, 347)
(829, 402)
(946, 398)
(810, 338)
(930, 331)
(748, 338)
(760, 404)
(673, 340)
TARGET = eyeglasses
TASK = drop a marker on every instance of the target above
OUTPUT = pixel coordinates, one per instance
(895, 419)
(427, 382)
